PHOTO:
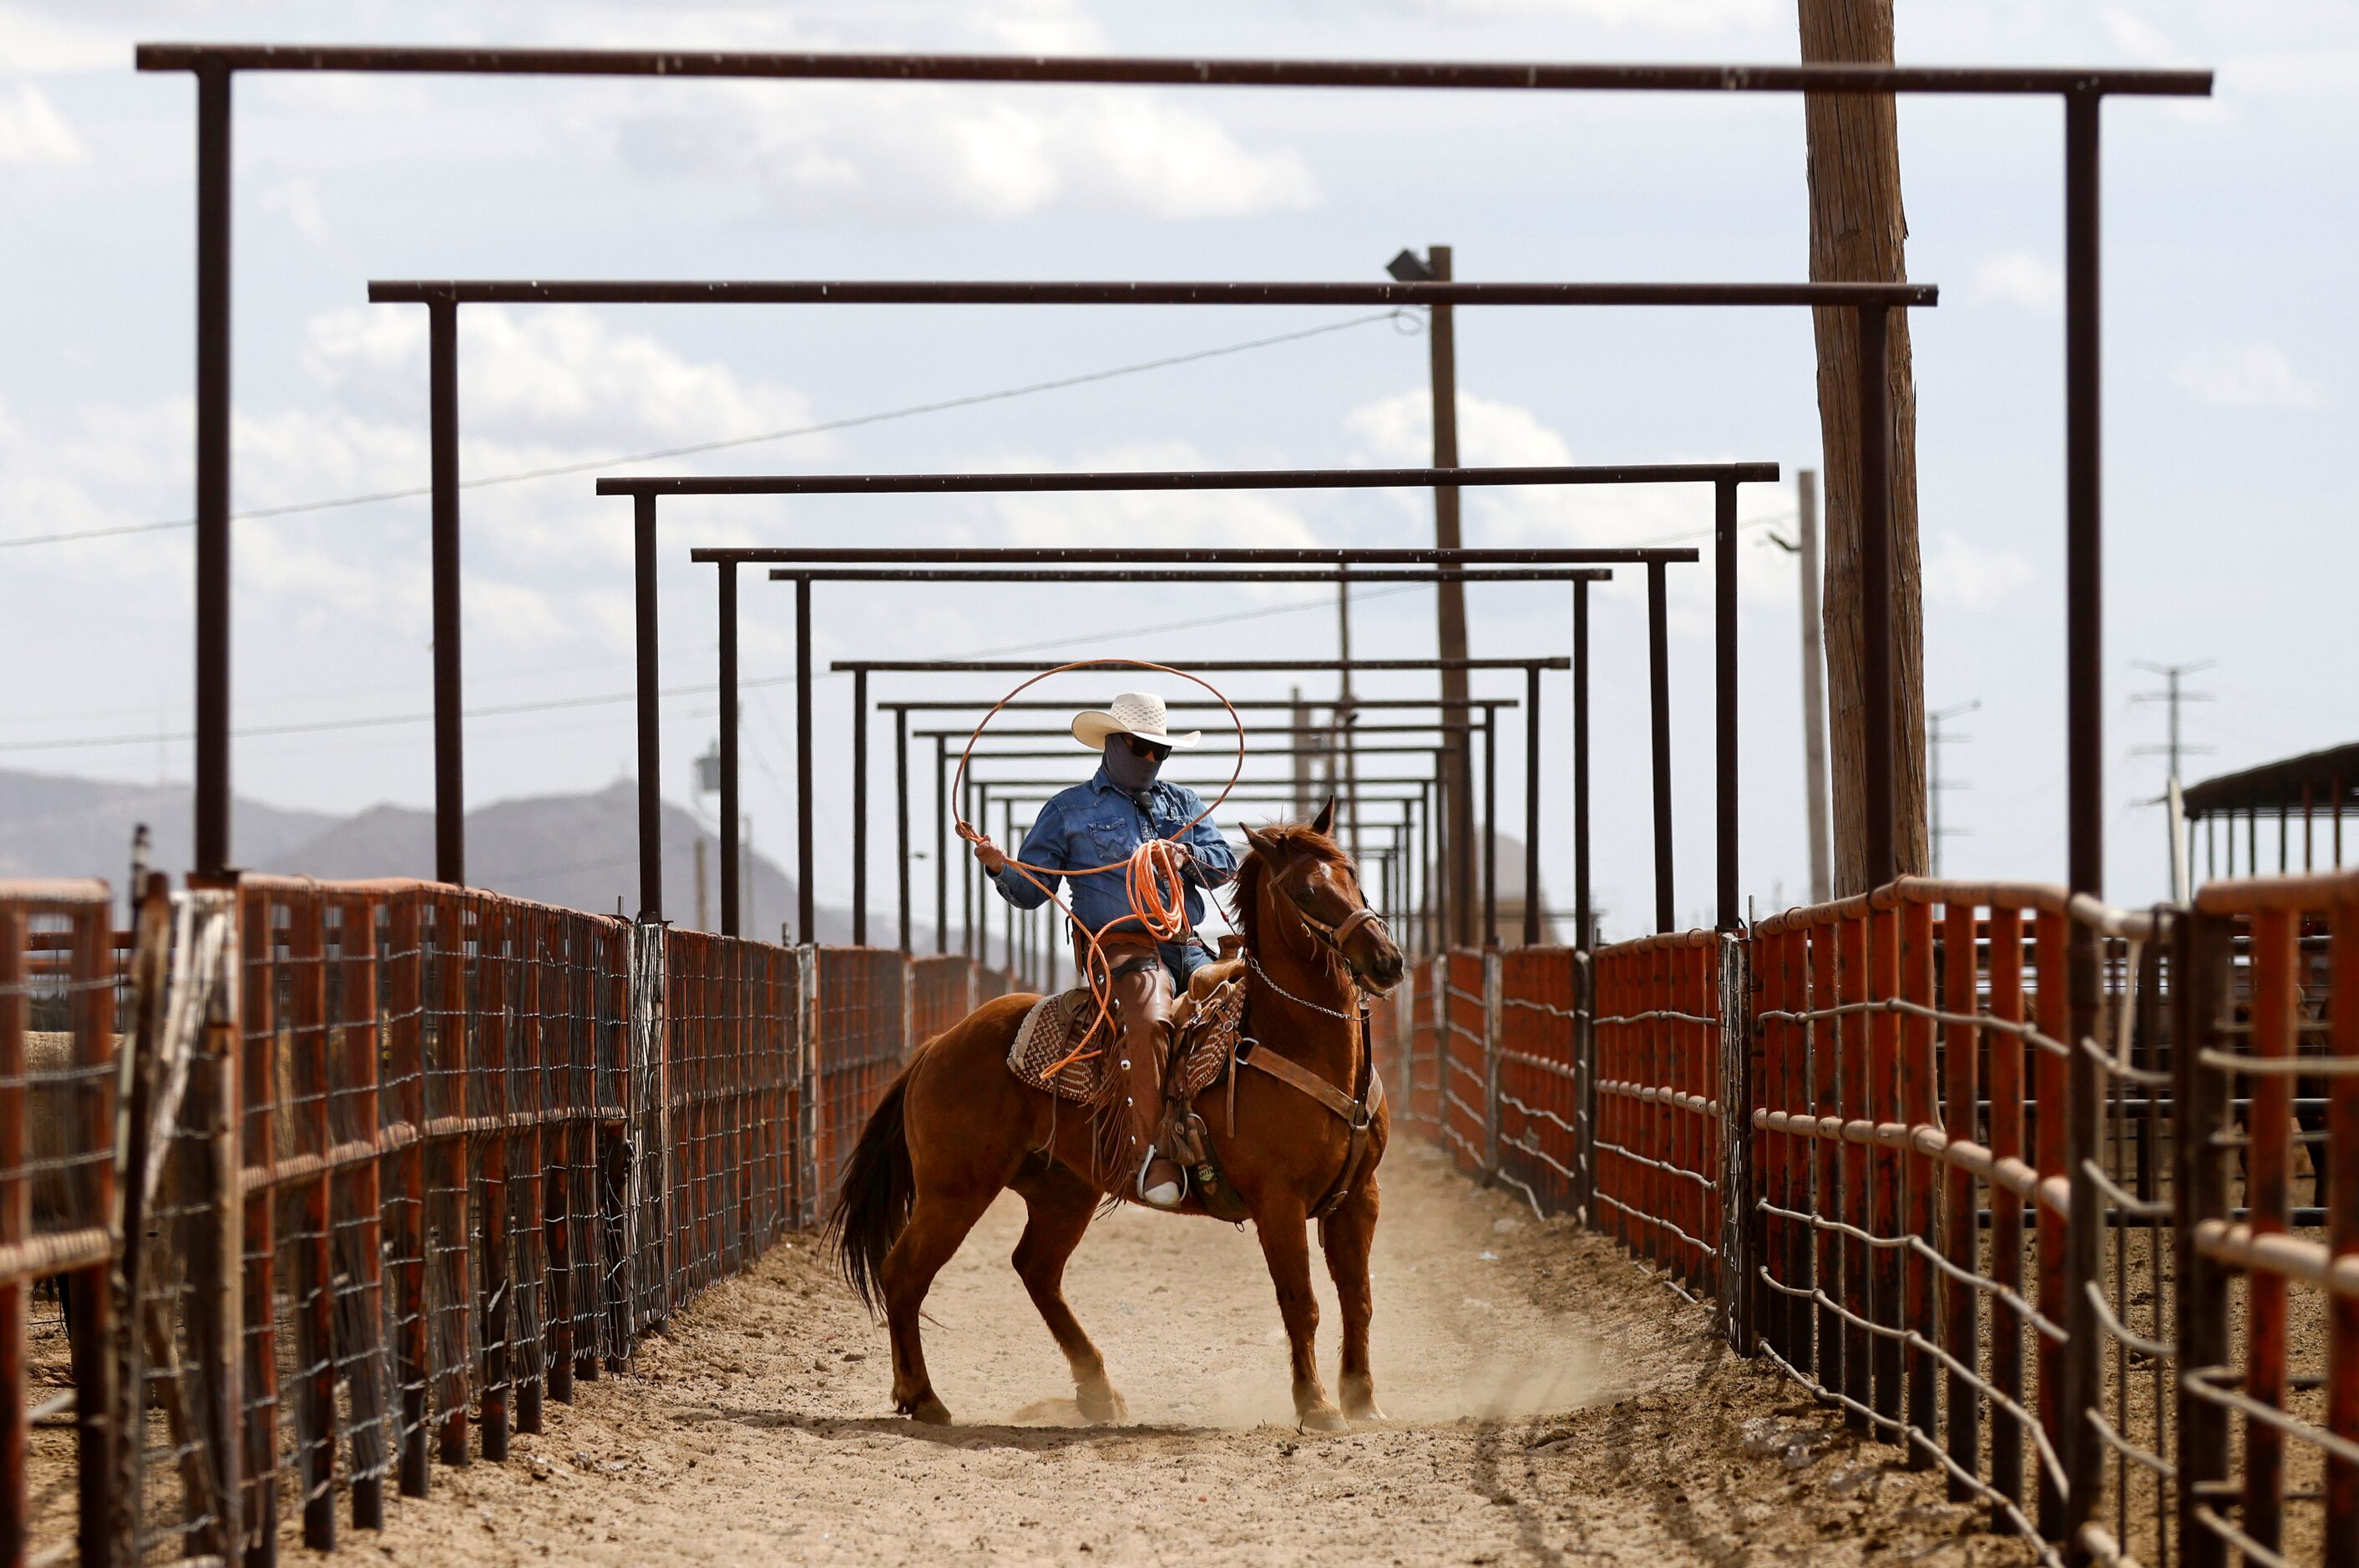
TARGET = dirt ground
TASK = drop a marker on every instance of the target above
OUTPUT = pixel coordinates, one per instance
(1548, 1403)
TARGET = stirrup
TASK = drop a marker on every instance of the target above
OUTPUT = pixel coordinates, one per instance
(1166, 1196)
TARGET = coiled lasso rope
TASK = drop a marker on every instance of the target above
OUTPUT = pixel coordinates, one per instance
(1151, 872)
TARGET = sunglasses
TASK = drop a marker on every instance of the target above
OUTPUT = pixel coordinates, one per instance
(1145, 748)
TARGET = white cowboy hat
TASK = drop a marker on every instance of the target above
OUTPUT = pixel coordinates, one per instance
(1140, 713)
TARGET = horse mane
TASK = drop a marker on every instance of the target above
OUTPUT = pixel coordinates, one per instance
(1255, 869)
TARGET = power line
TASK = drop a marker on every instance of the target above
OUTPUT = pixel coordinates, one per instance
(727, 442)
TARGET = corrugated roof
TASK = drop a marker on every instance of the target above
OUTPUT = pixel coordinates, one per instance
(2275, 787)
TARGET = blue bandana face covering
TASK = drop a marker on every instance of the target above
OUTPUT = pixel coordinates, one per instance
(1131, 774)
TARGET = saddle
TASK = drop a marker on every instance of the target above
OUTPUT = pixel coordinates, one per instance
(1055, 1047)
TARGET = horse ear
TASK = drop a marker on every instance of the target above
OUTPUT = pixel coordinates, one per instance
(1326, 817)
(1262, 842)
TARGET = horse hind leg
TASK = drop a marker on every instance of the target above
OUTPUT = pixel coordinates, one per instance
(939, 1221)
(1061, 1208)
(1346, 1236)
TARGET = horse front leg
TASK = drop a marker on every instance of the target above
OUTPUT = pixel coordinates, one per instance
(1285, 1247)
(1346, 1236)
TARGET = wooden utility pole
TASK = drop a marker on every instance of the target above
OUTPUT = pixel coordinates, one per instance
(1814, 685)
(1457, 856)
(1858, 233)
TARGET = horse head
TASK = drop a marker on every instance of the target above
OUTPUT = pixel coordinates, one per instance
(1304, 876)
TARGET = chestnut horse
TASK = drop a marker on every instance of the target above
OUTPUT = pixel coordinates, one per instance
(956, 1127)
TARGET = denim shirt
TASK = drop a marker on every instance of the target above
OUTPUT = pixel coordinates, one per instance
(1097, 824)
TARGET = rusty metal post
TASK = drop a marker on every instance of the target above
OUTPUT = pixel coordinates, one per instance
(442, 446)
(1658, 694)
(1532, 806)
(806, 901)
(942, 845)
(1581, 916)
(212, 459)
(1724, 683)
(901, 814)
(1490, 821)
(2199, 1114)
(642, 539)
(860, 808)
(1875, 597)
(731, 856)
(2085, 769)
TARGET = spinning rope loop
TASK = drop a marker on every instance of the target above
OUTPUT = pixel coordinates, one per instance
(1151, 872)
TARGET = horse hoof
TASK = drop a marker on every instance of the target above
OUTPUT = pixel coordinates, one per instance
(929, 1410)
(1101, 1406)
(1322, 1418)
(1360, 1400)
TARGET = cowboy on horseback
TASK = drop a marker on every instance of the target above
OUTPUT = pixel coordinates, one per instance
(1100, 823)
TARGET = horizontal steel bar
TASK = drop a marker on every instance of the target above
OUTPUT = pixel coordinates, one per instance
(1212, 666)
(1174, 71)
(981, 555)
(1121, 291)
(1161, 479)
(1002, 733)
(1187, 574)
(1195, 704)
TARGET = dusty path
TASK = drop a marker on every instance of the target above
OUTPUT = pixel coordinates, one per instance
(1550, 1404)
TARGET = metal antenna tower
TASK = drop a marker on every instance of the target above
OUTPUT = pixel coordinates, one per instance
(1936, 785)
(2173, 693)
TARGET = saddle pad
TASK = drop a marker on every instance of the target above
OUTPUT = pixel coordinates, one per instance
(1052, 1032)
(1058, 1027)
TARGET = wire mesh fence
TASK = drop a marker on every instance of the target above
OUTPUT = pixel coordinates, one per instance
(396, 1164)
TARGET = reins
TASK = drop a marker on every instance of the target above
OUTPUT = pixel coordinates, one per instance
(1148, 870)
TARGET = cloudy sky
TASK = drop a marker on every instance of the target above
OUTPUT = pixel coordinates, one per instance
(2228, 337)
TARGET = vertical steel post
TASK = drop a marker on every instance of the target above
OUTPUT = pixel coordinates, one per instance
(643, 571)
(213, 545)
(1531, 805)
(443, 442)
(901, 814)
(1659, 696)
(2085, 766)
(806, 901)
(1490, 821)
(1581, 915)
(860, 808)
(942, 845)
(1875, 597)
(1724, 691)
(1814, 686)
(731, 856)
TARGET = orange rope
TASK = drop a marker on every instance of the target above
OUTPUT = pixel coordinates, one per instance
(1151, 872)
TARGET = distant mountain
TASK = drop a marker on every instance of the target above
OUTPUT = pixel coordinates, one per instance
(580, 851)
(52, 825)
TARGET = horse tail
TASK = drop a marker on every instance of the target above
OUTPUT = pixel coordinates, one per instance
(873, 1203)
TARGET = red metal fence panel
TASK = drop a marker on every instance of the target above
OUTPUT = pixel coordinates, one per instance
(1539, 1107)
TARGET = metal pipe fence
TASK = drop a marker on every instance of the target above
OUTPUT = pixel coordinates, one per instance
(2104, 1283)
(372, 1167)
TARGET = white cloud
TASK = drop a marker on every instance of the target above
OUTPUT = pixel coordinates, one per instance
(555, 376)
(2248, 375)
(2021, 279)
(1237, 517)
(32, 132)
(892, 155)
(33, 44)
(1963, 574)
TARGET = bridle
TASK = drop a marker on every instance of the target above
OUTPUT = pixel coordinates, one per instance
(1336, 935)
